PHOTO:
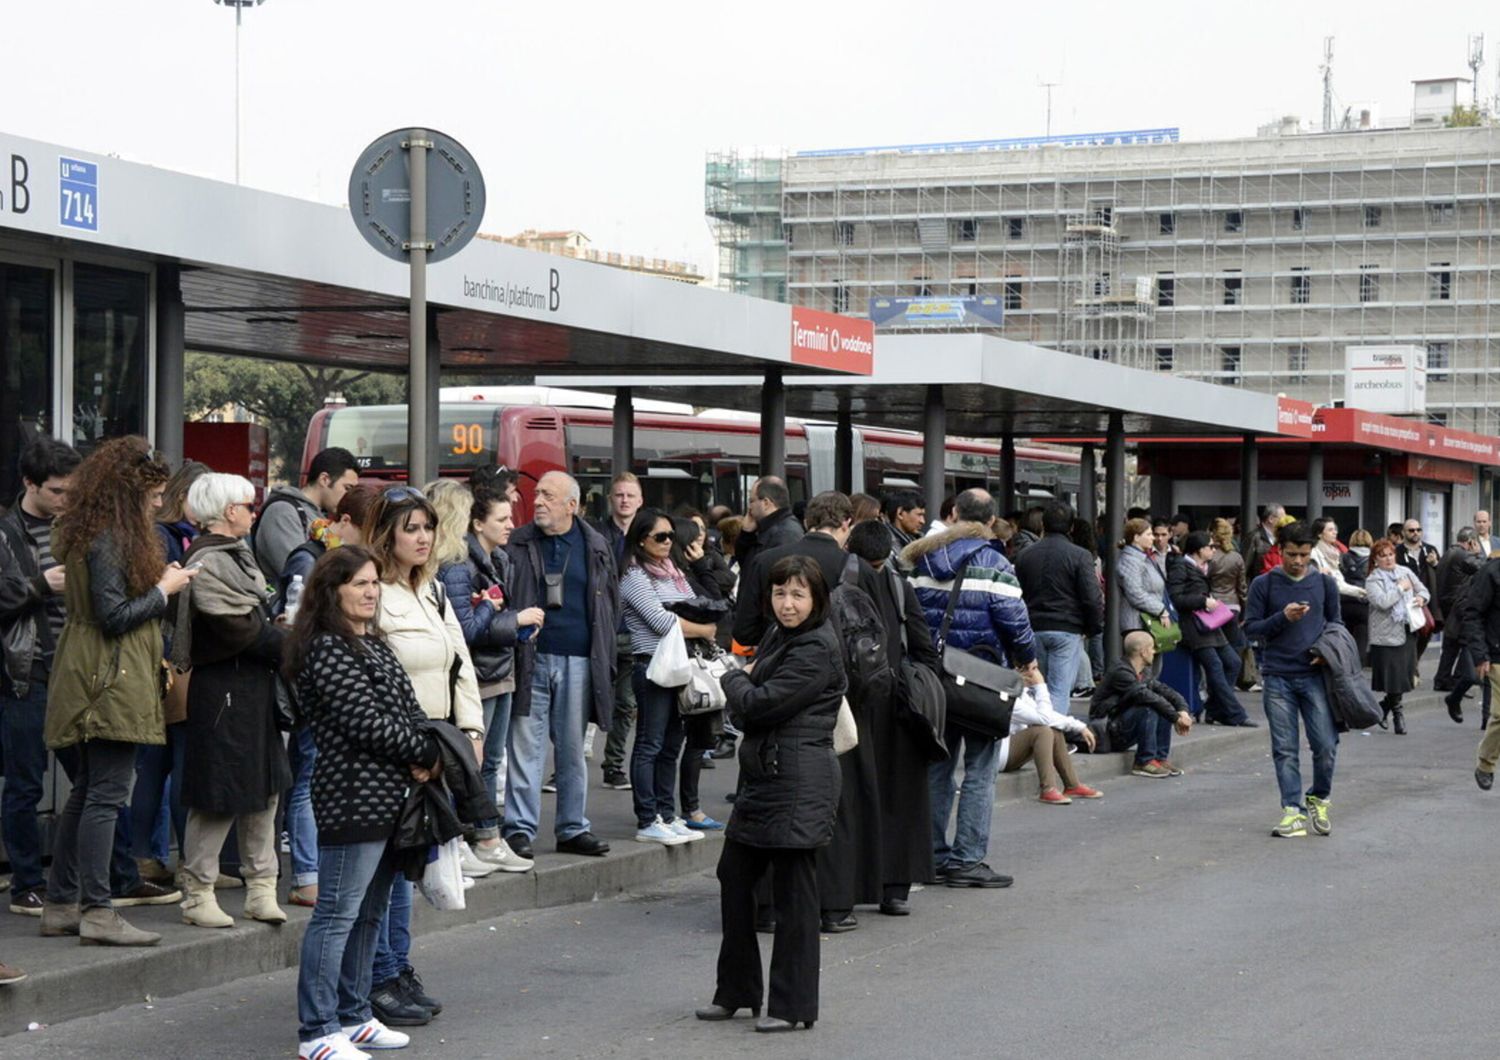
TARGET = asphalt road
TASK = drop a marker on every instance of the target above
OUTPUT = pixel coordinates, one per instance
(1162, 921)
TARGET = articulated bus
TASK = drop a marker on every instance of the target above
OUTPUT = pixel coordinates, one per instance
(681, 457)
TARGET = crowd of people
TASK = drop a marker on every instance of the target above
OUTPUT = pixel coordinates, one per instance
(363, 672)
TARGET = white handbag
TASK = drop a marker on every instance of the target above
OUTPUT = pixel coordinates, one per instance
(704, 692)
(669, 662)
(845, 731)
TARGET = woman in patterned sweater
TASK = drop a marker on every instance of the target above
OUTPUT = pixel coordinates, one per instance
(370, 745)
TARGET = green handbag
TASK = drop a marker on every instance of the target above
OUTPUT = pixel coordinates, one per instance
(1166, 637)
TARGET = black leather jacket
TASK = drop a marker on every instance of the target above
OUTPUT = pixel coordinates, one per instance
(436, 811)
(24, 630)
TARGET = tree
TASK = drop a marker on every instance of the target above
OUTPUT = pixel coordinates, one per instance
(1465, 117)
(281, 396)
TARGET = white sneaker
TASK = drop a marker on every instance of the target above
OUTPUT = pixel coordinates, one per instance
(330, 1047)
(658, 832)
(468, 882)
(471, 864)
(372, 1034)
(679, 826)
(503, 857)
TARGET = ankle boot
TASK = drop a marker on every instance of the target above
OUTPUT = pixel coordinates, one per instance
(1385, 713)
(1399, 719)
(260, 900)
(105, 927)
(59, 919)
(200, 907)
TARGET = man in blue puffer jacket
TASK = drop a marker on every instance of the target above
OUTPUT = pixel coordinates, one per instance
(990, 619)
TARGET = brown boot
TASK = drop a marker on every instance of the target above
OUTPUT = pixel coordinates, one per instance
(105, 927)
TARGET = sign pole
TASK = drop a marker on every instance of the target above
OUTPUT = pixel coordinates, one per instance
(421, 467)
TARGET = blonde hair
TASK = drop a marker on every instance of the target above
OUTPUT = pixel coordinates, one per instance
(453, 502)
(1223, 535)
(1361, 538)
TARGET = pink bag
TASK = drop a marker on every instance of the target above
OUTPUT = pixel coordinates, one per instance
(1208, 621)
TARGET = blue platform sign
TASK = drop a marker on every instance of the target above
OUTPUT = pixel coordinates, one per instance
(78, 194)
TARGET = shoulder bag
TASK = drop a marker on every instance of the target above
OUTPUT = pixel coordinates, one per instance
(704, 691)
(1166, 637)
(979, 693)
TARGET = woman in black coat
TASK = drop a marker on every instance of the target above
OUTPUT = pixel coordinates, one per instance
(1188, 586)
(786, 703)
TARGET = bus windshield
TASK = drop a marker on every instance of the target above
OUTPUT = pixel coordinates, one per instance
(376, 435)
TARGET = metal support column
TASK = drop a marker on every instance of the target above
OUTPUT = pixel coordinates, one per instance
(624, 432)
(433, 399)
(1114, 521)
(1088, 499)
(1006, 500)
(843, 448)
(421, 460)
(1314, 481)
(773, 425)
(934, 438)
(170, 363)
(1249, 472)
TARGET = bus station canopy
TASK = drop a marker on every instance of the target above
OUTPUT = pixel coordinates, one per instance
(990, 386)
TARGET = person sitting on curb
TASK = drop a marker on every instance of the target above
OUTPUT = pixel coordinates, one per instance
(1141, 710)
(1038, 733)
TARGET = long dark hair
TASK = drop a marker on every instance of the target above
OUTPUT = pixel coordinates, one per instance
(687, 531)
(640, 528)
(806, 570)
(108, 495)
(394, 507)
(319, 611)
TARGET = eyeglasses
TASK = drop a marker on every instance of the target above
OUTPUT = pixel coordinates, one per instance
(403, 494)
(1413, 529)
(663, 537)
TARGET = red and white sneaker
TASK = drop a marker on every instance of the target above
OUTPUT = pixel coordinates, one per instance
(1083, 791)
(330, 1047)
(372, 1034)
(1053, 797)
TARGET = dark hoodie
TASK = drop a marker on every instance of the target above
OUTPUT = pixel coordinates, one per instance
(990, 612)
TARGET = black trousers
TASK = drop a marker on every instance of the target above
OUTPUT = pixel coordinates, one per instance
(794, 955)
(1451, 648)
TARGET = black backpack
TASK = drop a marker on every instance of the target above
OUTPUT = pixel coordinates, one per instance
(862, 634)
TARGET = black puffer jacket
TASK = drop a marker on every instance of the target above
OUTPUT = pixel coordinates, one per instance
(491, 634)
(1189, 589)
(787, 707)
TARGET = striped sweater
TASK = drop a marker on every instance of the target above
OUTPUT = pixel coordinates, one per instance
(641, 599)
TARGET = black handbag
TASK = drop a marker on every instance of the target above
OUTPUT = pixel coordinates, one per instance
(980, 693)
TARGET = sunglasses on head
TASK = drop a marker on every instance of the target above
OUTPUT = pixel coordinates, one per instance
(402, 494)
(663, 537)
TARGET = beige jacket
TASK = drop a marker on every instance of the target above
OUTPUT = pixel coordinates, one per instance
(426, 644)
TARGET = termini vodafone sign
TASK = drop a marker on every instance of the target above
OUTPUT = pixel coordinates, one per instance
(827, 340)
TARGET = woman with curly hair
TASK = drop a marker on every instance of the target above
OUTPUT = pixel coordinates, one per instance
(105, 694)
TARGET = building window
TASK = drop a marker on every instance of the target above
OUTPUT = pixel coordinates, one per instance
(843, 233)
(1233, 289)
(1438, 418)
(1166, 224)
(1298, 220)
(840, 298)
(26, 335)
(965, 231)
(1439, 281)
(1163, 358)
(1301, 289)
(1372, 216)
(1229, 365)
(109, 354)
(1104, 216)
(1296, 364)
(1166, 290)
(1015, 227)
(971, 287)
(1013, 294)
(1441, 213)
(1439, 361)
(1234, 220)
(1098, 353)
(1101, 284)
(1369, 284)
(923, 289)
(786, 234)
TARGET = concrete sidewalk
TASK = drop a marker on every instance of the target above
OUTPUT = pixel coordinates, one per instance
(67, 980)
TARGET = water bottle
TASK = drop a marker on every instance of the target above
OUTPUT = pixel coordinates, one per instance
(293, 598)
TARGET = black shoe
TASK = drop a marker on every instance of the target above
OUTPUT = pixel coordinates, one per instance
(392, 1007)
(977, 875)
(1455, 708)
(724, 748)
(895, 907)
(614, 778)
(520, 846)
(28, 903)
(1398, 719)
(586, 843)
(940, 873)
(773, 1025)
(765, 925)
(730, 797)
(715, 1013)
(838, 925)
(1486, 781)
(416, 993)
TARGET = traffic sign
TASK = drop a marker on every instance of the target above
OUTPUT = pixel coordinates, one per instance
(380, 194)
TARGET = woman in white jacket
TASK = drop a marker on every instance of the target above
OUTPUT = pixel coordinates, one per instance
(1039, 734)
(420, 627)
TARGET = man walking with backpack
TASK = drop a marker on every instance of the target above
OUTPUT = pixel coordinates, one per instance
(989, 618)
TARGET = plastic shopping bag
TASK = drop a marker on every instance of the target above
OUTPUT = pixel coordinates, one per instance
(443, 880)
(670, 667)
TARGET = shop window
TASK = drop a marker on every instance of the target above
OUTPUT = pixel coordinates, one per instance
(25, 366)
(109, 354)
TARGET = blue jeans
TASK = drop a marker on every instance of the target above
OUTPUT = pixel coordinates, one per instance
(1285, 699)
(1059, 655)
(393, 941)
(1150, 732)
(1221, 669)
(300, 826)
(976, 799)
(333, 980)
(559, 704)
(25, 760)
(158, 780)
(658, 742)
(492, 772)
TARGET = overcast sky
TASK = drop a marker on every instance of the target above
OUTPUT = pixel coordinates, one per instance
(596, 116)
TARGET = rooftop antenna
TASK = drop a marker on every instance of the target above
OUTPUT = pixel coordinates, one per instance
(1049, 86)
(1327, 69)
(1476, 60)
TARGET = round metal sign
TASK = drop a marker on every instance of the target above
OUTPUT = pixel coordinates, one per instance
(380, 194)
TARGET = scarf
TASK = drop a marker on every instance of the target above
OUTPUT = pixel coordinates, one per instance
(229, 582)
(666, 570)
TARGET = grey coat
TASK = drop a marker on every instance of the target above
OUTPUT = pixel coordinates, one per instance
(1388, 604)
(1141, 585)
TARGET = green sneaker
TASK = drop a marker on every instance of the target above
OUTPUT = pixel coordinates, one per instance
(1293, 823)
(1317, 812)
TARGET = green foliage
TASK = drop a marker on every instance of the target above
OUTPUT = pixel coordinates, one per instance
(1464, 117)
(281, 396)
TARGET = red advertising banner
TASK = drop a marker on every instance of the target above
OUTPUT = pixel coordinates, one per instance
(827, 340)
(1405, 436)
(1293, 417)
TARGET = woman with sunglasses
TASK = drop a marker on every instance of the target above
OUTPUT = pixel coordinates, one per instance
(651, 580)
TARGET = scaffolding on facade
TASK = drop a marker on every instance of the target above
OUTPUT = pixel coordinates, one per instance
(742, 199)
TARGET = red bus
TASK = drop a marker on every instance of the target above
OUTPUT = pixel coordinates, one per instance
(681, 458)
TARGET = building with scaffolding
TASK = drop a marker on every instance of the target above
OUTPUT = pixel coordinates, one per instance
(1250, 262)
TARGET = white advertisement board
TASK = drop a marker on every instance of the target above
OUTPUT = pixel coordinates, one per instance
(1391, 379)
